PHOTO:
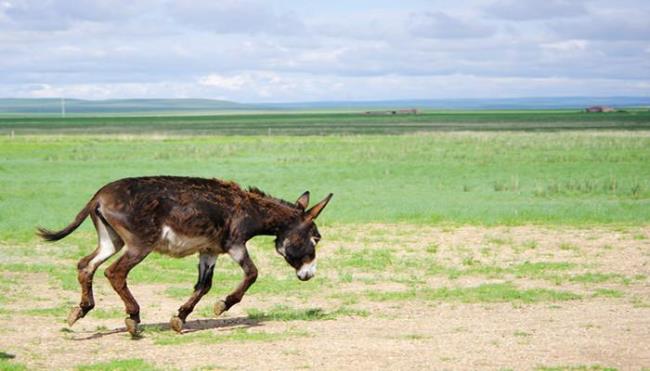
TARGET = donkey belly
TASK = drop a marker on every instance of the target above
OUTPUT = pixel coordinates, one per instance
(178, 245)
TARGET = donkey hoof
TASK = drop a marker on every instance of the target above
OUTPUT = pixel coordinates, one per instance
(132, 327)
(219, 307)
(75, 314)
(176, 324)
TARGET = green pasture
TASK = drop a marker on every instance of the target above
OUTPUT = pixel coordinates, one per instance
(487, 178)
(552, 168)
(332, 122)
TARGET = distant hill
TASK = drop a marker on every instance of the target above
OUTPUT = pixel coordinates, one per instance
(52, 106)
(482, 103)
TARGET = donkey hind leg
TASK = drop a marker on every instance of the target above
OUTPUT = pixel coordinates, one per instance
(239, 254)
(108, 243)
(117, 274)
(203, 285)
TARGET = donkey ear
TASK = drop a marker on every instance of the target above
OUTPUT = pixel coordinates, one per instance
(312, 213)
(303, 200)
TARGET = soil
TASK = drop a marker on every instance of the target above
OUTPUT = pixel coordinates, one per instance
(408, 334)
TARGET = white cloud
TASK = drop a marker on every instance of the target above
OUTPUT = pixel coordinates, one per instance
(277, 51)
(62, 14)
(613, 24)
(566, 45)
(234, 16)
(236, 82)
(439, 25)
(525, 10)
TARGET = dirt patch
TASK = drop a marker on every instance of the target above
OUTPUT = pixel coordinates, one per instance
(608, 325)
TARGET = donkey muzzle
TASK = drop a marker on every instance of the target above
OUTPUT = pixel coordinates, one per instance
(307, 270)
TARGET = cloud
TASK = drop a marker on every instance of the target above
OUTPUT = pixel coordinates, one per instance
(566, 45)
(278, 51)
(62, 14)
(225, 82)
(265, 84)
(305, 87)
(525, 10)
(610, 25)
(232, 16)
(438, 25)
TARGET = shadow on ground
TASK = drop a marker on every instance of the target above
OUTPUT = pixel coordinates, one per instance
(189, 327)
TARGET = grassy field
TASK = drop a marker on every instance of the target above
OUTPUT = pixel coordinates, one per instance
(520, 240)
(476, 178)
(306, 123)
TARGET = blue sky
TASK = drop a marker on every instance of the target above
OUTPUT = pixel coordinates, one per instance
(278, 51)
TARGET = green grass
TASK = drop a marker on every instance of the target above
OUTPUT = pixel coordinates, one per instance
(330, 123)
(529, 270)
(7, 363)
(119, 365)
(366, 259)
(214, 337)
(101, 313)
(608, 293)
(575, 368)
(539, 269)
(284, 313)
(485, 293)
(60, 311)
(591, 277)
(45, 180)
(65, 277)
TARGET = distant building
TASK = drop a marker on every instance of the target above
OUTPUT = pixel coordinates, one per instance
(599, 109)
(410, 111)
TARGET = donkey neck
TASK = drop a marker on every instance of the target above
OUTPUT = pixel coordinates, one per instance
(269, 216)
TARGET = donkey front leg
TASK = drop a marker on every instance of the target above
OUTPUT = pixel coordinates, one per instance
(203, 285)
(117, 274)
(239, 254)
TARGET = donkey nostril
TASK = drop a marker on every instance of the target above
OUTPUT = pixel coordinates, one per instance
(307, 270)
(304, 276)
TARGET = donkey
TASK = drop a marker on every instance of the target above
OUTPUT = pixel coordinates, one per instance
(180, 216)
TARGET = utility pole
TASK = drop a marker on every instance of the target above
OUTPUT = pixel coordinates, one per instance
(62, 107)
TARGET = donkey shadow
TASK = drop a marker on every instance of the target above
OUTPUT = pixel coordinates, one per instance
(188, 327)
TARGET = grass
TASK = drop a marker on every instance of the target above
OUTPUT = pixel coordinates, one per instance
(591, 277)
(485, 293)
(119, 365)
(101, 313)
(367, 259)
(7, 363)
(45, 180)
(608, 293)
(526, 270)
(330, 123)
(511, 177)
(284, 313)
(213, 337)
(575, 368)
(64, 276)
(60, 311)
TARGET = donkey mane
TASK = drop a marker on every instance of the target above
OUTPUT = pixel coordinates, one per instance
(256, 191)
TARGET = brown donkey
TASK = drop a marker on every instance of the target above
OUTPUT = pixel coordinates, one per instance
(180, 216)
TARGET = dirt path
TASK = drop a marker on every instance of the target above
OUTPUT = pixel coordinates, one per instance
(608, 325)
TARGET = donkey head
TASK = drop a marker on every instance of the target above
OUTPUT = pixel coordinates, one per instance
(297, 243)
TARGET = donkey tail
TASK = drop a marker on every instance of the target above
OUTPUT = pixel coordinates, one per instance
(49, 235)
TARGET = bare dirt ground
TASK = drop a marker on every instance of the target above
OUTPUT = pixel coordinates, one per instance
(388, 315)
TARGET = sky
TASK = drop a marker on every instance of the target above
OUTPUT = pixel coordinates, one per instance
(291, 50)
